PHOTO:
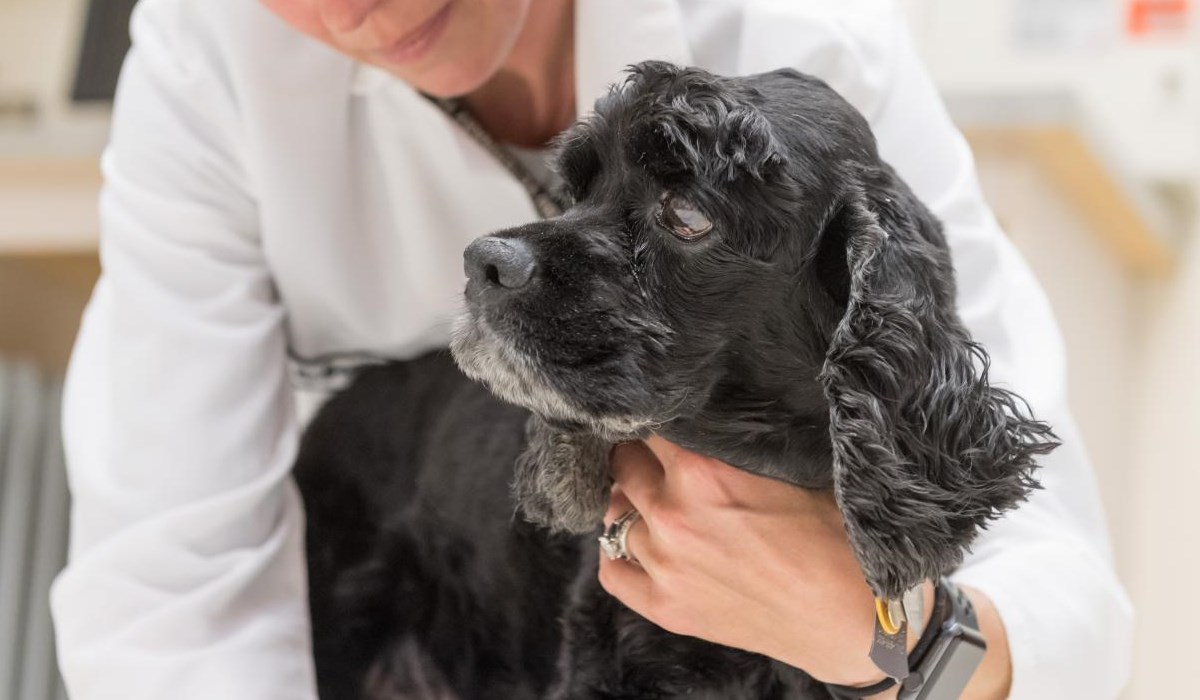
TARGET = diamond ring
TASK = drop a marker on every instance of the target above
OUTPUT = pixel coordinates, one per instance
(614, 541)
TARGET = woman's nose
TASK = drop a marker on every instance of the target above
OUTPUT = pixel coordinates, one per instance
(499, 262)
(343, 16)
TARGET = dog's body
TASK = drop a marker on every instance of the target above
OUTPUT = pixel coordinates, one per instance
(421, 578)
(424, 586)
(742, 275)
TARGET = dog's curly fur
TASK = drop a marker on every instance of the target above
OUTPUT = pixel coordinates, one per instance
(811, 336)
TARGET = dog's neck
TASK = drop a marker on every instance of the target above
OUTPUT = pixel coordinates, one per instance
(768, 412)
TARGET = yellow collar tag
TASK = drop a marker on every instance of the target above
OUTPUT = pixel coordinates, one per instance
(890, 614)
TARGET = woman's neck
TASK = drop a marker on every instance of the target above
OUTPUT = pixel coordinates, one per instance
(531, 98)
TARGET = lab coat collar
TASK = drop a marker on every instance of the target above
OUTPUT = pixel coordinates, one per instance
(368, 78)
(610, 35)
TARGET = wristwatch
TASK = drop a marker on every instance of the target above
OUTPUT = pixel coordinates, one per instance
(946, 656)
(943, 669)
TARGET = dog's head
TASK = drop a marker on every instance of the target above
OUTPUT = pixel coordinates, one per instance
(738, 239)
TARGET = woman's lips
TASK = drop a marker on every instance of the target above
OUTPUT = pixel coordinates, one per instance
(417, 43)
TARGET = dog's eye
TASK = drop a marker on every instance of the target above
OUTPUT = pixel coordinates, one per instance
(679, 216)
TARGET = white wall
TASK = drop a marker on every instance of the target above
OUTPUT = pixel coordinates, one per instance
(1163, 547)
(1095, 302)
(1133, 350)
(37, 48)
(1138, 96)
(1133, 345)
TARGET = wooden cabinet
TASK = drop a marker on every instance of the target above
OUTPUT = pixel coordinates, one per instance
(48, 261)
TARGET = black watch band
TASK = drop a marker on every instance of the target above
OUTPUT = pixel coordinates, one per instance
(945, 668)
(849, 692)
(943, 659)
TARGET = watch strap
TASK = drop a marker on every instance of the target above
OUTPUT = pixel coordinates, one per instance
(847, 692)
(943, 609)
(934, 673)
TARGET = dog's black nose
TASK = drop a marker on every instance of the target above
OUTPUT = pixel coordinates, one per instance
(505, 262)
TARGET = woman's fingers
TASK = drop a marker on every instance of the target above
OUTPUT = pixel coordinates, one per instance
(618, 505)
(641, 482)
(631, 583)
(638, 474)
(638, 542)
(693, 478)
(637, 585)
(667, 453)
(697, 480)
(628, 583)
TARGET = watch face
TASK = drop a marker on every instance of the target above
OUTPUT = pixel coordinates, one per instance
(951, 663)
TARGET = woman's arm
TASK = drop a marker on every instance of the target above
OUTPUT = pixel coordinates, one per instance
(993, 678)
(186, 574)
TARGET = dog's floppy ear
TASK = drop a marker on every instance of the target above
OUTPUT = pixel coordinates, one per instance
(925, 451)
(562, 478)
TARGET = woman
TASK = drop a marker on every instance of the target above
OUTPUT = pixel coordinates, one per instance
(277, 186)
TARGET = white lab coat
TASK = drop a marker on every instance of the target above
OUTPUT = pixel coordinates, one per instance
(265, 195)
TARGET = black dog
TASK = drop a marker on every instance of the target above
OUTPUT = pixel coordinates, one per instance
(741, 274)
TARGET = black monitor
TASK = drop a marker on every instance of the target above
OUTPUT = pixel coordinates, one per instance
(105, 42)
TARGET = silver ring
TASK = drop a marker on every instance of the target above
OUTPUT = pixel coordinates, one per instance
(615, 539)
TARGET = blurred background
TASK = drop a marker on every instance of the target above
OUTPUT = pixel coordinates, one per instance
(1085, 119)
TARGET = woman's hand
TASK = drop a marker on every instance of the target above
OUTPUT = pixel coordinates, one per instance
(740, 560)
(757, 564)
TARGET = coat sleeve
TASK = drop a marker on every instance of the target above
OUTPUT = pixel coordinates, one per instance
(1047, 565)
(186, 573)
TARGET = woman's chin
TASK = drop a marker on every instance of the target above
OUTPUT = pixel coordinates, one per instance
(446, 80)
(457, 66)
